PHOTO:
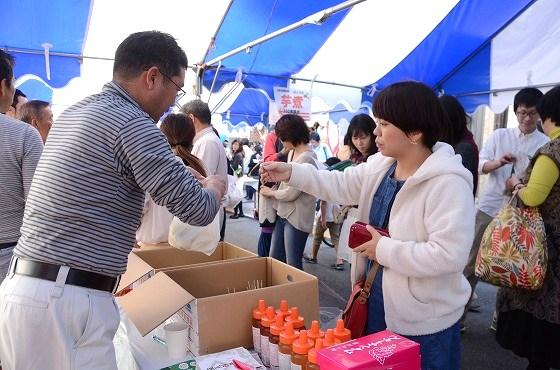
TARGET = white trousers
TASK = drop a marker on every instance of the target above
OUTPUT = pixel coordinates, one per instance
(50, 325)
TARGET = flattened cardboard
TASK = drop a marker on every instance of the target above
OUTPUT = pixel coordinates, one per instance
(169, 299)
(135, 269)
(218, 317)
(142, 262)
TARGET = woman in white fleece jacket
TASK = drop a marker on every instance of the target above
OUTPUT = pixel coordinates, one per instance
(418, 189)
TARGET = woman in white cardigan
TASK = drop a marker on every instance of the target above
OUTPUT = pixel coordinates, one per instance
(418, 189)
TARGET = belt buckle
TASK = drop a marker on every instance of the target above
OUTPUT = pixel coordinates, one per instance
(116, 286)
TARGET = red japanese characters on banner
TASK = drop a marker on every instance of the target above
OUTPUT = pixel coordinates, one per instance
(290, 101)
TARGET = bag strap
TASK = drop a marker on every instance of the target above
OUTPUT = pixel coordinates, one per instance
(364, 294)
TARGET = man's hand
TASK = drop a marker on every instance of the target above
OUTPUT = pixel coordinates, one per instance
(490, 166)
(506, 159)
(323, 221)
(275, 172)
(369, 248)
(216, 184)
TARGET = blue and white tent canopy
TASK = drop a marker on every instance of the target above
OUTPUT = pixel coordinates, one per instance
(479, 50)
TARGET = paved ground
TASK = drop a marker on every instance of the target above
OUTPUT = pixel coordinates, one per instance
(480, 350)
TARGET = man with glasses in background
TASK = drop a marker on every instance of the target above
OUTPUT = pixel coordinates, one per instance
(84, 206)
(506, 152)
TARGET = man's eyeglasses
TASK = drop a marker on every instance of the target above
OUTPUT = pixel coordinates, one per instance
(523, 114)
(180, 91)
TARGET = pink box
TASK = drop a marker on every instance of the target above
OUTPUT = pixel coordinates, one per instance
(383, 350)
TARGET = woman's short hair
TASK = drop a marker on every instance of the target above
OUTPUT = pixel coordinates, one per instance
(549, 106)
(412, 107)
(292, 128)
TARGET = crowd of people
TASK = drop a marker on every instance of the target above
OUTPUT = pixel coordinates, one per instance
(78, 195)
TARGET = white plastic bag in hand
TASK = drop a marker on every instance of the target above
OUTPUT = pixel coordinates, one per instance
(195, 238)
(233, 195)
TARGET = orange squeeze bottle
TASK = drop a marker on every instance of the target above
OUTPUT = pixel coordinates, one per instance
(340, 332)
(266, 321)
(300, 349)
(275, 329)
(312, 355)
(256, 325)
(287, 337)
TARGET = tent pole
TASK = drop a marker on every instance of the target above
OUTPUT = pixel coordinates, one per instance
(317, 19)
(505, 89)
(314, 80)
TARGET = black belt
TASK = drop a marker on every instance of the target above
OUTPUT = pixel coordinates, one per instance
(82, 278)
(7, 245)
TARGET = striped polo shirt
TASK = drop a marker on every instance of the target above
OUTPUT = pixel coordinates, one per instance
(86, 199)
(20, 149)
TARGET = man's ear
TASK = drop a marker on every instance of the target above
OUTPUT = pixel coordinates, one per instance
(150, 77)
(3, 86)
(34, 123)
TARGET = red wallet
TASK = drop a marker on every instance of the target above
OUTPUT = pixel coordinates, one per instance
(359, 234)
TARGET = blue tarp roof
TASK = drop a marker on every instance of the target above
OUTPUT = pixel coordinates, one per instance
(455, 56)
(247, 20)
(250, 106)
(28, 24)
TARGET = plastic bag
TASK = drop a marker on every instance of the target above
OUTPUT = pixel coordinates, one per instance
(154, 226)
(233, 195)
(195, 238)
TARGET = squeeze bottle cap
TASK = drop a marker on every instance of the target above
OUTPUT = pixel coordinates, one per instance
(259, 312)
(303, 344)
(315, 331)
(284, 310)
(288, 336)
(312, 355)
(295, 318)
(268, 318)
(330, 339)
(341, 332)
(278, 325)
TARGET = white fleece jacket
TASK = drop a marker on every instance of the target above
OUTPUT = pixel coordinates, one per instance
(431, 227)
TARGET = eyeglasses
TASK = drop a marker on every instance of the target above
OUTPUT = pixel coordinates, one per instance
(180, 91)
(523, 114)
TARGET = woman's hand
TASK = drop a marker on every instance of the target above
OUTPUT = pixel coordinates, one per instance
(275, 171)
(266, 191)
(512, 183)
(369, 248)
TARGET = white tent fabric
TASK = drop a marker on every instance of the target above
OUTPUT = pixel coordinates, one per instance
(373, 38)
(526, 53)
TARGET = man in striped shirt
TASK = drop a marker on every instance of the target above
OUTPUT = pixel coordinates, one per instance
(85, 205)
(20, 149)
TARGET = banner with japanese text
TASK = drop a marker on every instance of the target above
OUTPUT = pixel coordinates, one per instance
(291, 101)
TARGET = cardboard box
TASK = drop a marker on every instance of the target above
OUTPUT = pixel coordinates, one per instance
(379, 351)
(214, 301)
(143, 264)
